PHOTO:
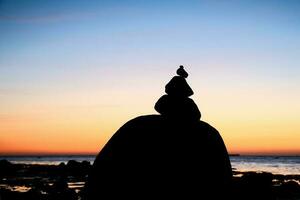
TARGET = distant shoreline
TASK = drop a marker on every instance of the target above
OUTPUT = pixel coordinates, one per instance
(48, 155)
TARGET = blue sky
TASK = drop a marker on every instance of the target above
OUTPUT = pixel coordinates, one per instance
(47, 42)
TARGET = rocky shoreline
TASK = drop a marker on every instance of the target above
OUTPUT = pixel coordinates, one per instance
(66, 181)
(24, 181)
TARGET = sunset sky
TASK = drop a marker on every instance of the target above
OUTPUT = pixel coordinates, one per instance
(73, 72)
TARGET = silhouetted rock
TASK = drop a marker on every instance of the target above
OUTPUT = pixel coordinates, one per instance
(291, 186)
(76, 168)
(178, 87)
(289, 189)
(60, 190)
(253, 185)
(85, 164)
(263, 179)
(177, 108)
(181, 72)
(5, 164)
(168, 156)
(62, 165)
(154, 157)
(73, 164)
(6, 168)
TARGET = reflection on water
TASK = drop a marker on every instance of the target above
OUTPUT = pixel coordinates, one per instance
(21, 188)
(295, 180)
(73, 185)
(76, 186)
(15, 188)
(275, 164)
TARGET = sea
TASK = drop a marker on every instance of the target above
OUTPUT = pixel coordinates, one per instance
(285, 165)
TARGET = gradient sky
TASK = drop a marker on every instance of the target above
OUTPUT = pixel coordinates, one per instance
(72, 72)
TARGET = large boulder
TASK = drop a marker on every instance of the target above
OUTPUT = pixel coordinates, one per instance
(155, 157)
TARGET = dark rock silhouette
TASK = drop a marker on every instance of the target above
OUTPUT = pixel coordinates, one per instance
(254, 185)
(177, 108)
(182, 72)
(176, 105)
(6, 168)
(172, 155)
(179, 88)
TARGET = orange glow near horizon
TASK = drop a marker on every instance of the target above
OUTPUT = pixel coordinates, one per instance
(81, 123)
(86, 129)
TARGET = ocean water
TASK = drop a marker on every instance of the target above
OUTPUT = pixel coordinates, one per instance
(274, 164)
(47, 160)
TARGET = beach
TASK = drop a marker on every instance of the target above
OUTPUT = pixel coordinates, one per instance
(42, 177)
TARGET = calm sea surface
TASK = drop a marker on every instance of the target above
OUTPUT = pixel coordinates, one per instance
(274, 164)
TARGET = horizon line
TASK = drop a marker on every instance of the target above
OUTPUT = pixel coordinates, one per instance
(95, 154)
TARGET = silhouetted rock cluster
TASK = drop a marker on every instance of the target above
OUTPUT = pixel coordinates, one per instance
(177, 104)
(265, 186)
(167, 156)
(48, 182)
